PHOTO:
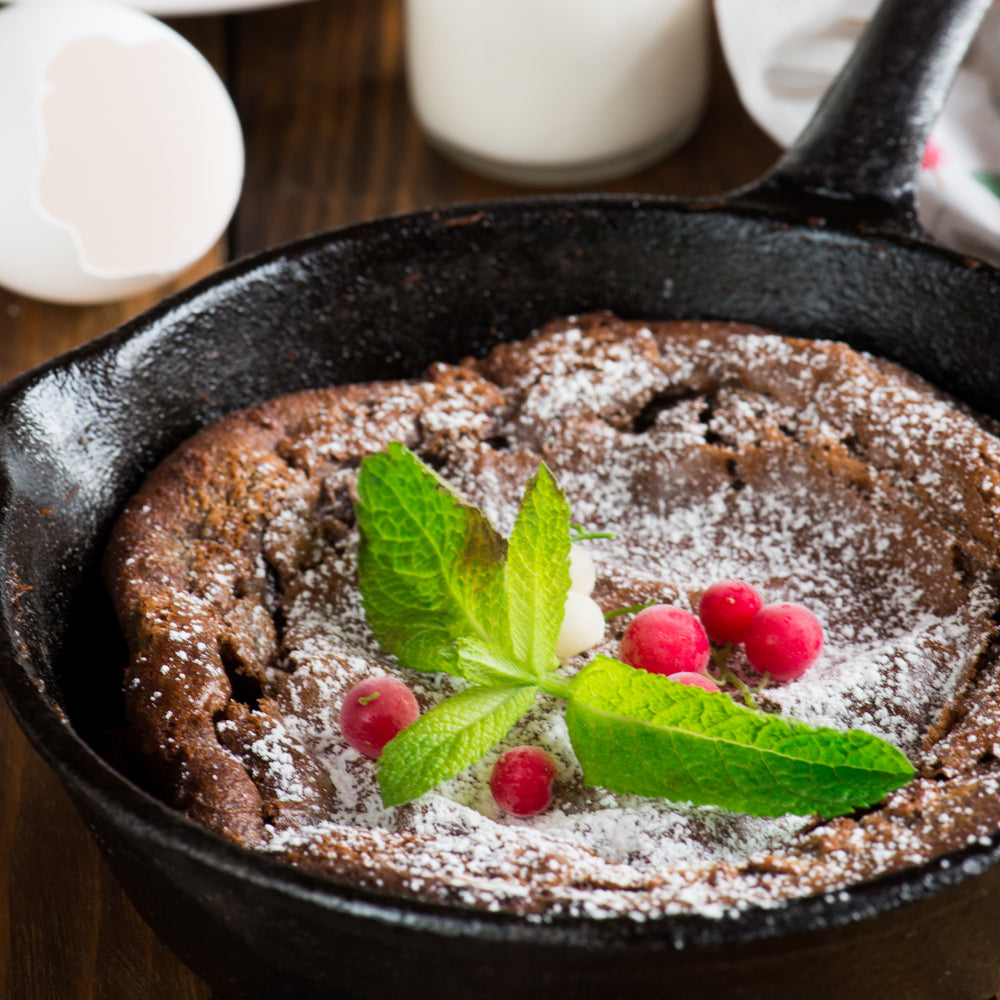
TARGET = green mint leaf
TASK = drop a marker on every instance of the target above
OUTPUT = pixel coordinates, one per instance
(640, 733)
(430, 565)
(538, 573)
(448, 739)
(481, 662)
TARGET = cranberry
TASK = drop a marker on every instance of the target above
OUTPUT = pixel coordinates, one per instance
(664, 639)
(694, 680)
(375, 711)
(521, 781)
(783, 640)
(726, 609)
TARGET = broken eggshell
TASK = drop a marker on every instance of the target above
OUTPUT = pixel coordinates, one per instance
(123, 154)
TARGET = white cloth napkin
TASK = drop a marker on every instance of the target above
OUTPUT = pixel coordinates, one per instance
(783, 54)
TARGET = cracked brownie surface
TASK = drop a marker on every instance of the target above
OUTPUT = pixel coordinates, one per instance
(710, 450)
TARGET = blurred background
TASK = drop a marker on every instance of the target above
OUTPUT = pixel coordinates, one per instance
(330, 140)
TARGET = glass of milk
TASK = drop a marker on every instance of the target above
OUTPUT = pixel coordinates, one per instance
(557, 91)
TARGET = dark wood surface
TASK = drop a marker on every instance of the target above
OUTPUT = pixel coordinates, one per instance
(330, 140)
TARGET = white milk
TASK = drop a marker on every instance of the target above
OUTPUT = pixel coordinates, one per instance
(557, 91)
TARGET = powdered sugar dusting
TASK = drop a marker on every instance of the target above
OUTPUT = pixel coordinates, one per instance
(821, 476)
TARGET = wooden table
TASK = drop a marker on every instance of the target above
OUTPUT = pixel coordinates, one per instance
(330, 140)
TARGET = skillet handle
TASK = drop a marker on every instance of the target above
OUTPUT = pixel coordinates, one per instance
(857, 160)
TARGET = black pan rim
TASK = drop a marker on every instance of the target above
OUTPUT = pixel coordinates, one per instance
(737, 203)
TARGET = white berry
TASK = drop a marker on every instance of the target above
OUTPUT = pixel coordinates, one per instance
(582, 574)
(582, 626)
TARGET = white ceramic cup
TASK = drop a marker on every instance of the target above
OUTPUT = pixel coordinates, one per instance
(557, 91)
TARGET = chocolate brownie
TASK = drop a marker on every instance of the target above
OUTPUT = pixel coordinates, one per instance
(710, 450)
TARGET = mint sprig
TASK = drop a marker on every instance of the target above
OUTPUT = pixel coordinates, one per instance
(537, 573)
(449, 738)
(643, 734)
(430, 565)
(443, 591)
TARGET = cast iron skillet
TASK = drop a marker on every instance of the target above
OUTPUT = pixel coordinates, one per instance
(826, 245)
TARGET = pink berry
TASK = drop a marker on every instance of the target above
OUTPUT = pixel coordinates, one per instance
(521, 781)
(783, 640)
(664, 639)
(694, 680)
(375, 711)
(727, 607)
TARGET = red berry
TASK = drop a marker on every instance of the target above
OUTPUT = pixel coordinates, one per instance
(727, 607)
(664, 639)
(694, 680)
(375, 711)
(783, 640)
(521, 781)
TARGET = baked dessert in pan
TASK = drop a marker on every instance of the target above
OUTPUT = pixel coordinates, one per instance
(708, 449)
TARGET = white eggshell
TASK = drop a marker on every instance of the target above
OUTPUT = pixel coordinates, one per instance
(122, 152)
